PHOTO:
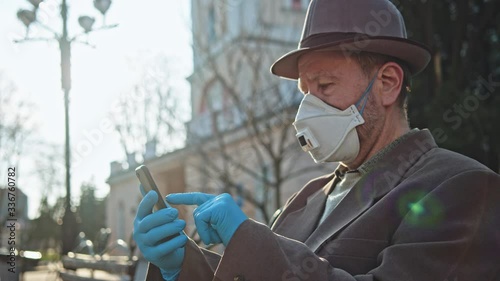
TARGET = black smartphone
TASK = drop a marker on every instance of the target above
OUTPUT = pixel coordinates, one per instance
(147, 182)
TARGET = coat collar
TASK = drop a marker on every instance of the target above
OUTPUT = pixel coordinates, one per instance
(388, 173)
(307, 212)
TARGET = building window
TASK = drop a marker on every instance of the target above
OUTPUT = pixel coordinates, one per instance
(264, 192)
(211, 24)
(213, 98)
(121, 221)
(217, 22)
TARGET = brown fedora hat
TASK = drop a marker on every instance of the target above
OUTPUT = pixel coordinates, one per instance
(374, 26)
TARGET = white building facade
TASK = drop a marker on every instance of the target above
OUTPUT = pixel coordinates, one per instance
(240, 138)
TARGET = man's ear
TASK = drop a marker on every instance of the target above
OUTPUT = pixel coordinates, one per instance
(391, 75)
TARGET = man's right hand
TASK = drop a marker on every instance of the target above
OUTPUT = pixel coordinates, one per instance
(150, 231)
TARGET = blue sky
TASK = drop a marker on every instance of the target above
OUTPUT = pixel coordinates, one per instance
(100, 75)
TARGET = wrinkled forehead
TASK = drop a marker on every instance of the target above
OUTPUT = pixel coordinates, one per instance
(325, 63)
(327, 66)
(321, 74)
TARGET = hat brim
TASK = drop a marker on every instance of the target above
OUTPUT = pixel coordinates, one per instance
(416, 55)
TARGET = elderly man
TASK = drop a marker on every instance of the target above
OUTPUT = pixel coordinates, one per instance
(396, 208)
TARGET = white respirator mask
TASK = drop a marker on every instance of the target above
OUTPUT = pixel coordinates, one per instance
(328, 133)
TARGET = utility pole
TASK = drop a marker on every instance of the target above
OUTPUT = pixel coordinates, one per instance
(28, 17)
(69, 220)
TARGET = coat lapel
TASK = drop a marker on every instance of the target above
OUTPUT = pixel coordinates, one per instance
(307, 217)
(354, 204)
(389, 172)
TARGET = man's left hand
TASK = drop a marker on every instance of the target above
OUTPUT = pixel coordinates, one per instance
(216, 217)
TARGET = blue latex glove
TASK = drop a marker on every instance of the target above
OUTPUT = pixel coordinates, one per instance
(150, 231)
(216, 217)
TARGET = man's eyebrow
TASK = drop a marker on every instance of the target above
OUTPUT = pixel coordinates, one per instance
(311, 76)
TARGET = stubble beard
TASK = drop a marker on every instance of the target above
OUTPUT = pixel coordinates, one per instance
(369, 132)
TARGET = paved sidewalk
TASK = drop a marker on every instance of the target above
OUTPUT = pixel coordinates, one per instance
(40, 275)
(50, 273)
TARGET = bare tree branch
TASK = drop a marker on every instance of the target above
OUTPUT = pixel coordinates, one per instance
(259, 142)
(16, 122)
(151, 114)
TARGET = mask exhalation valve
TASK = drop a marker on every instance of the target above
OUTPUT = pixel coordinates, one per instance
(307, 140)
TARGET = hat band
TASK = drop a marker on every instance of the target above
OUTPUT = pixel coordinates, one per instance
(319, 39)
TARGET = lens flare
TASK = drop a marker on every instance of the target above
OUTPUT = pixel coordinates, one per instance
(421, 209)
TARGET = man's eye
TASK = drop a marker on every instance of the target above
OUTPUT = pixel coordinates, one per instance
(324, 86)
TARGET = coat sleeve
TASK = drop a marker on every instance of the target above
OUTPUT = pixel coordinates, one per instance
(199, 264)
(462, 244)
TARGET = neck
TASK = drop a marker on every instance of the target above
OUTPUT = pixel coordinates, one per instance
(390, 132)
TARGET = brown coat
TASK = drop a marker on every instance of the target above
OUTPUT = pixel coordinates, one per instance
(422, 214)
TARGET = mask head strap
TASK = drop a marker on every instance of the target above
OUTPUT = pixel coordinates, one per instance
(364, 97)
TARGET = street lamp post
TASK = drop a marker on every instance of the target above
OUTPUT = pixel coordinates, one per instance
(28, 17)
